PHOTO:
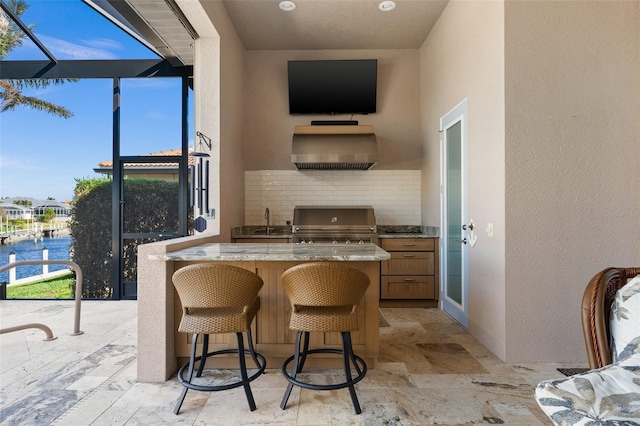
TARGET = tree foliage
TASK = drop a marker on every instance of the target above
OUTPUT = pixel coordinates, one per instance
(150, 207)
(11, 91)
(26, 203)
(48, 215)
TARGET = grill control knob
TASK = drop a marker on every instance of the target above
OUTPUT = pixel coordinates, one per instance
(347, 242)
(360, 242)
(334, 242)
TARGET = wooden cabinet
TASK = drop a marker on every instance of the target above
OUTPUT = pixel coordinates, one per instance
(412, 271)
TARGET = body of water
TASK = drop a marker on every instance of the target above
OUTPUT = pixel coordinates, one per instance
(29, 250)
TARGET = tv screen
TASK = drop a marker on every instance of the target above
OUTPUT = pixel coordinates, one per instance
(333, 87)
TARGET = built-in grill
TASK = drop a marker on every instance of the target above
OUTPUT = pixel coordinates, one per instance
(334, 224)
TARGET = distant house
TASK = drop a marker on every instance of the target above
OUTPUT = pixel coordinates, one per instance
(37, 208)
(14, 211)
(165, 171)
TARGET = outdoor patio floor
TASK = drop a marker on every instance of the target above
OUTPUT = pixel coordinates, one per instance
(430, 371)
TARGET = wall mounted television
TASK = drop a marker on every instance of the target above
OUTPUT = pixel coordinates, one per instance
(333, 86)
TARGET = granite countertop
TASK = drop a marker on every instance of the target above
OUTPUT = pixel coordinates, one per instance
(408, 231)
(384, 231)
(276, 252)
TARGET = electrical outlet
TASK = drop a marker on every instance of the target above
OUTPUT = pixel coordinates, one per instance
(490, 229)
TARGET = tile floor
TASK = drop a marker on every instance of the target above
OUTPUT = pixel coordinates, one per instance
(430, 371)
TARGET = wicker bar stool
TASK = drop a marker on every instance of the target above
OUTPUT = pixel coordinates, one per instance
(218, 299)
(324, 297)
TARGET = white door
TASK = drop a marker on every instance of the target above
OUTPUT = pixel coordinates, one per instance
(453, 201)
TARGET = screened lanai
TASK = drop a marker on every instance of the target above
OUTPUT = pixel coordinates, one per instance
(158, 48)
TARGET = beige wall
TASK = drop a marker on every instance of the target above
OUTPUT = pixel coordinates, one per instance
(573, 161)
(463, 57)
(552, 89)
(269, 127)
(219, 109)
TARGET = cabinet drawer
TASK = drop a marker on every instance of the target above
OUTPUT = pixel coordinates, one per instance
(408, 287)
(409, 263)
(407, 244)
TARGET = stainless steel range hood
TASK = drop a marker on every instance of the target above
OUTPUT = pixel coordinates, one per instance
(334, 148)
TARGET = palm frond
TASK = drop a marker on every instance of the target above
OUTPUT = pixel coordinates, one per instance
(12, 98)
(11, 36)
(41, 83)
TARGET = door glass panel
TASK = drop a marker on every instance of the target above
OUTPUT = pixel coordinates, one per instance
(150, 116)
(454, 212)
(149, 214)
(151, 202)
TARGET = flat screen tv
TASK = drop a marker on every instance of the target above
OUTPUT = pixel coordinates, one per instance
(333, 87)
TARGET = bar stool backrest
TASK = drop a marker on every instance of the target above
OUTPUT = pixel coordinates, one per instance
(210, 285)
(324, 284)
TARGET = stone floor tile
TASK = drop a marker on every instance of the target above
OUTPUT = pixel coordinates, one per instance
(430, 371)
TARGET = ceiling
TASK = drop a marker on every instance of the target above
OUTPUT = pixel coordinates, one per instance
(261, 25)
(334, 24)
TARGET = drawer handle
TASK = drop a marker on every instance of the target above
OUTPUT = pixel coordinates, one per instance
(408, 255)
(409, 280)
(408, 244)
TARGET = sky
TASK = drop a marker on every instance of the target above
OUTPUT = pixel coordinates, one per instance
(42, 155)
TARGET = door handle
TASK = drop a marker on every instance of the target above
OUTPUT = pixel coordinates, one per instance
(463, 241)
(470, 226)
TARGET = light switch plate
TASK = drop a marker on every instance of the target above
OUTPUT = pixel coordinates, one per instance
(490, 229)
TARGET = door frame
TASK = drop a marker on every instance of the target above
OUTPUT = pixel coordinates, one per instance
(129, 290)
(460, 312)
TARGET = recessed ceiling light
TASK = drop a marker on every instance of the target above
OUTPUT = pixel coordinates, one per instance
(387, 5)
(287, 5)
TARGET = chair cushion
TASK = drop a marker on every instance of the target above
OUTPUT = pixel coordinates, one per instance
(624, 323)
(608, 395)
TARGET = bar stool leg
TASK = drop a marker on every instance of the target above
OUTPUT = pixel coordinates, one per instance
(203, 358)
(252, 351)
(294, 370)
(305, 350)
(347, 353)
(192, 360)
(353, 356)
(243, 373)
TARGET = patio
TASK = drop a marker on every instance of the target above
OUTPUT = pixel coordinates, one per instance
(430, 371)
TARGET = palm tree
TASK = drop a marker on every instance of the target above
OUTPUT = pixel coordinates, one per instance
(11, 96)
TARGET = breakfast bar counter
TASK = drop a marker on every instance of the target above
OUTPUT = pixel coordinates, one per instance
(161, 348)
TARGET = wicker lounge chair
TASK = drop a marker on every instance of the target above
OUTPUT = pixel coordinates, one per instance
(609, 393)
(596, 309)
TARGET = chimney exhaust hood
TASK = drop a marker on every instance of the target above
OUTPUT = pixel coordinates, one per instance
(334, 148)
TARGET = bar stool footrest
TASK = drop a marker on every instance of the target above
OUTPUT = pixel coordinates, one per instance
(261, 365)
(361, 370)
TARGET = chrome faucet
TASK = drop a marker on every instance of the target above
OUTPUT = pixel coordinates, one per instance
(266, 216)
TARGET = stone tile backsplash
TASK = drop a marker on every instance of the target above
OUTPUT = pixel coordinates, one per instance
(394, 194)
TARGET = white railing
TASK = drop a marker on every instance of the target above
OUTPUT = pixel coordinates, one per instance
(47, 330)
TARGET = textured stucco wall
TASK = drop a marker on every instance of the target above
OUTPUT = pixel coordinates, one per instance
(572, 164)
(269, 127)
(219, 110)
(463, 57)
